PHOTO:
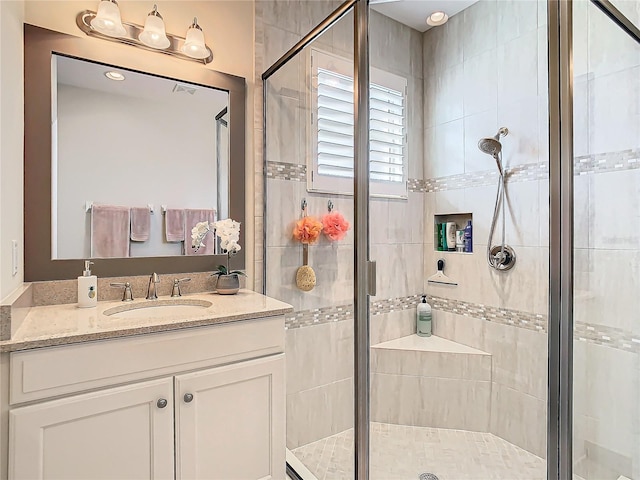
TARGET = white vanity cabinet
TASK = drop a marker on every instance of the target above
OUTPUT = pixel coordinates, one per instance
(240, 441)
(115, 433)
(210, 406)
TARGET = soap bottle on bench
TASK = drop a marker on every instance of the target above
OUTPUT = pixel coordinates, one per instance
(87, 287)
(423, 318)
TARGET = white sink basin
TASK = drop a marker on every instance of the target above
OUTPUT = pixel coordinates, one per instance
(159, 308)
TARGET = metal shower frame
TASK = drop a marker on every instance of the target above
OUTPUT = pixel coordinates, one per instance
(560, 324)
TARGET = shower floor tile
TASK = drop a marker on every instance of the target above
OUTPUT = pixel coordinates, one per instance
(403, 452)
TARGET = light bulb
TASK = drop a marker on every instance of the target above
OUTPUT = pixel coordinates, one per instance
(107, 21)
(437, 18)
(154, 34)
(117, 76)
(194, 45)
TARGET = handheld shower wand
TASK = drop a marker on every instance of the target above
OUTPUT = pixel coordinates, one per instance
(500, 257)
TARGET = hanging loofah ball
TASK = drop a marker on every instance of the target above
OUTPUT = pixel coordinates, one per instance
(305, 278)
(307, 230)
(335, 226)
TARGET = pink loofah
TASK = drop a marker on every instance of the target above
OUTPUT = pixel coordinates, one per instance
(335, 226)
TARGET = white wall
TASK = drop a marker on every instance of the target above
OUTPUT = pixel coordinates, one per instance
(229, 31)
(11, 141)
(164, 155)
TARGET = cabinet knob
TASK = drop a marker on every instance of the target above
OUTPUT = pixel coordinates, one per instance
(188, 397)
(162, 403)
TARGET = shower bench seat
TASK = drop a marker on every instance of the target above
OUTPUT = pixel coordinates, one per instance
(430, 382)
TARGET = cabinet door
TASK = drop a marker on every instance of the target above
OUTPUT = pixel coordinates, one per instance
(230, 422)
(119, 433)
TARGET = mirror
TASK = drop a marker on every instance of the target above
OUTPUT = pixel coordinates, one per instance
(130, 139)
(89, 141)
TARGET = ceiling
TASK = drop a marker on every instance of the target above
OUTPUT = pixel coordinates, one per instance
(85, 74)
(414, 13)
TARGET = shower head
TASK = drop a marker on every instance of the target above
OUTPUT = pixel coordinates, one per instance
(493, 147)
(490, 146)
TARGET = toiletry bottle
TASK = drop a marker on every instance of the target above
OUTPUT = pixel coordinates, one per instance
(468, 237)
(443, 228)
(423, 318)
(439, 233)
(451, 236)
(87, 287)
(459, 240)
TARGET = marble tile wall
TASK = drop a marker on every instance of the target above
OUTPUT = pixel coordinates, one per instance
(606, 192)
(484, 69)
(423, 388)
(398, 244)
(607, 255)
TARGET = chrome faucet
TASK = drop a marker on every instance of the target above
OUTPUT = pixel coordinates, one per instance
(152, 293)
(175, 291)
(127, 294)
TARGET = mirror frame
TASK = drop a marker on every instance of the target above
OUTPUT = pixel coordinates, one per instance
(39, 46)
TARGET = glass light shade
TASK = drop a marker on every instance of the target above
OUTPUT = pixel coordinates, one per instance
(154, 34)
(107, 21)
(194, 46)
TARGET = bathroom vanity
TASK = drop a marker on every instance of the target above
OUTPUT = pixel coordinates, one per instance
(147, 392)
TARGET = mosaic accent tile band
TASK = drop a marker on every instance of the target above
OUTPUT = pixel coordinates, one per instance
(287, 171)
(583, 165)
(585, 332)
(607, 162)
(530, 321)
(607, 336)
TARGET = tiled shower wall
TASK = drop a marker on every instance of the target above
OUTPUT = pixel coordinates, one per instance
(485, 69)
(607, 244)
(320, 352)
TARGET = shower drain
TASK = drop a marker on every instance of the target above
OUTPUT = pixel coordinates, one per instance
(427, 476)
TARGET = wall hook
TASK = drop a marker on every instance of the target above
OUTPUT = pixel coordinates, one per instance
(330, 206)
(303, 205)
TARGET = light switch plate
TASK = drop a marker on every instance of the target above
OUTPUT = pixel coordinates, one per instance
(14, 257)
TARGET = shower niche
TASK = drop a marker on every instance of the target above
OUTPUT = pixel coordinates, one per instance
(449, 233)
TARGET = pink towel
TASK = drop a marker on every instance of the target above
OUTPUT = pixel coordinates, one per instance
(109, 231)
(174, 225)
(140, 224)
(193, 216)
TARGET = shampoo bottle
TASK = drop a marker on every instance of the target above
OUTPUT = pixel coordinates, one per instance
(87, 287)
(451, 236)
(468, 237)
(423, 318)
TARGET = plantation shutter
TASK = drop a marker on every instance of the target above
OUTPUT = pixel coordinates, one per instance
(334, 125)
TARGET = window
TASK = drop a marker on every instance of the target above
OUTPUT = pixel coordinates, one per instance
(332, 119)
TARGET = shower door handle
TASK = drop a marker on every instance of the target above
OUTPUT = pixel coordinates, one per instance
(372, 278)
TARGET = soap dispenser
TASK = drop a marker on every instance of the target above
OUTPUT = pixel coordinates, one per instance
(87, 287)
(423, 318)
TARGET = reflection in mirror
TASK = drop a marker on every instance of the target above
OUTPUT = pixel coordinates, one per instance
(141, 141)
(222, 162)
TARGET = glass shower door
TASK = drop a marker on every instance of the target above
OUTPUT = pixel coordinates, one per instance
(309, 227)
(606, 342)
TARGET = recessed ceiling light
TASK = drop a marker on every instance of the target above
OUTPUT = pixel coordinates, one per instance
(437, 18)
(114, 76)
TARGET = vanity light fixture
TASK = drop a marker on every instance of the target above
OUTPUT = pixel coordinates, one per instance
(154, 34)
(194, 46)
(437, 18)
(107, 21)
(117, 76)
(107, 25)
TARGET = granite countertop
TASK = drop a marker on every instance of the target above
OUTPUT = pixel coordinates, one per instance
(65, 324)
